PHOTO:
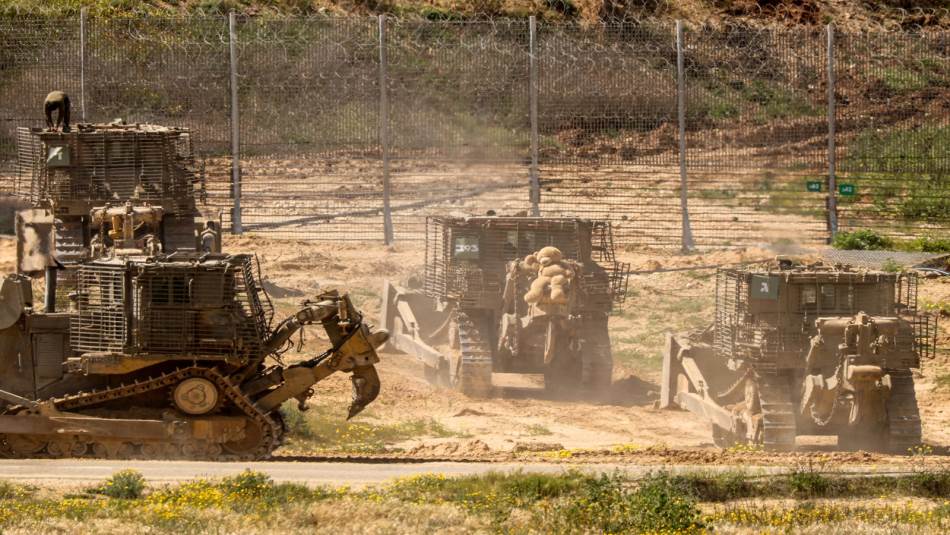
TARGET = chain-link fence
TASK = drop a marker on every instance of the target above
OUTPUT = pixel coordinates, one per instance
(358, 128)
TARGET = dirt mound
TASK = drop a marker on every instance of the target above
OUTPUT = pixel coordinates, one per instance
(453, 448)
(521, 447)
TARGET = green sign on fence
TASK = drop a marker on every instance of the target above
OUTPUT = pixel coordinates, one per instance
(847, 189)
(813, 185)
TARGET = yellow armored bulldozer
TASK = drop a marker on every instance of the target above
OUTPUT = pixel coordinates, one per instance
(170, 356)
(799, 350)
(510, 301)
(149, 341)
(106, 188)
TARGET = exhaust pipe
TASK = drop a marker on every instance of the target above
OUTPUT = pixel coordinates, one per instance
(49, 300)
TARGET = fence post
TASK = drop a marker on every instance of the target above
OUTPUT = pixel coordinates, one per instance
(384, 133)
(832, 156)
(687, 239)
(235, 129)
(533, 104)
(82, 62)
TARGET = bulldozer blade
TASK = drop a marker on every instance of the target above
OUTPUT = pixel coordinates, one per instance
(365, 388)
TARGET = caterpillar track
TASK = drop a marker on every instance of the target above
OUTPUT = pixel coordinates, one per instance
(473, 373)
(154, 346)
(597, 360)
(778, 412)
(521, 302)
(262, 432)
(903, 416)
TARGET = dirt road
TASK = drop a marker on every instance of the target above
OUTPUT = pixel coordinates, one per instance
(73, 472)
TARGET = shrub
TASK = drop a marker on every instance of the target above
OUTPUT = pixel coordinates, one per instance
(248, 483)
(808, 483)
(901, 173)
(605, 505)
(863, 240)
(124, 484)
(929, 244)
(892, 266)
(930, 484)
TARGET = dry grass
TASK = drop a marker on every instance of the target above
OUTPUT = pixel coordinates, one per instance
(515, 503)
(322, 429)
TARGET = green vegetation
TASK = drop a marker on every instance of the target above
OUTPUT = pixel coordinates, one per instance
(862, 240)
(899, 173)
(929, 244)
(915, 74)
(640, 360)
(892, 266)
(537, 430)
(323, 429)
(805, 482)
(871, 240)
(124, 485)
(570, 502)
(607, 504)
(900, 518)
(662, 311)
(759, 100)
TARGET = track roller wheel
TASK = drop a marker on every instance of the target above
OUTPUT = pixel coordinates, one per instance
(25, 445)
(113, 450)
(249, 445)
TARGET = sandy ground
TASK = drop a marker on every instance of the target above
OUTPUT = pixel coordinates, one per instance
(623, 418)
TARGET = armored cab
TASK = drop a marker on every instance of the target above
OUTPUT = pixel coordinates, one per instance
(102, 188)
(805, 350)
(468, 319)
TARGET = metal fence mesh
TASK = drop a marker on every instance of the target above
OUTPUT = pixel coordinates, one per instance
(757, 131)
(340, 115)
(893, 126)
(608, 128)
(458, 121)
(308, 100)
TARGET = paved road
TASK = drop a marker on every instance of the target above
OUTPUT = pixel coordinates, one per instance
(354, 474)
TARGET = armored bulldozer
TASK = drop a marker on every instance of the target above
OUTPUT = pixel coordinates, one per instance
(158, 345)
(106, 188)
(506, 296)
(805, 350)
(167, 356)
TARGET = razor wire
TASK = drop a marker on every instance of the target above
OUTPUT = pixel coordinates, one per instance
(458, 120)
(308, 98)
(895, 132)
(608, 128)
(37, 55)
(342, 117)
(757, 133)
